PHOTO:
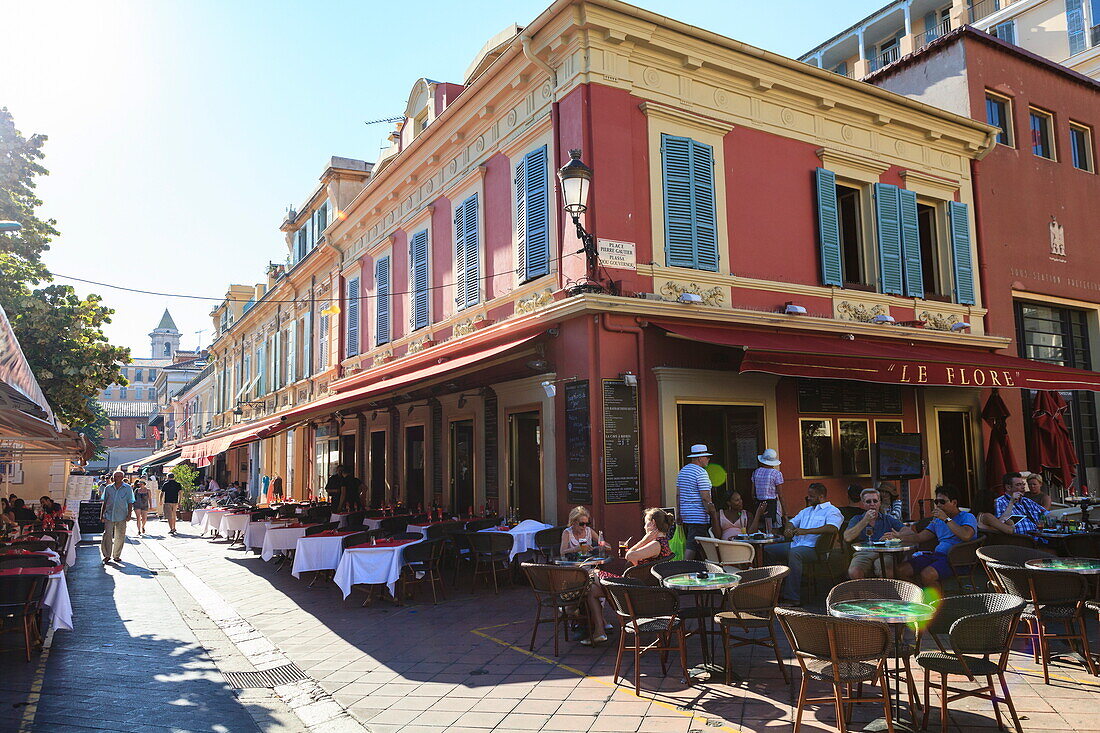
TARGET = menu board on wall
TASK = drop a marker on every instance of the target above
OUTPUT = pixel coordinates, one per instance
(578, 444)
(827, 396)
(622, 479)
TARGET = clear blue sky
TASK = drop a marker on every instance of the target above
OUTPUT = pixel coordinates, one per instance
(180, 130)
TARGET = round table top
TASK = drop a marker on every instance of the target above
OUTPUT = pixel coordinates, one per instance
(692, 581)
(1083, 565)
(577, 560)
(882, 609)
(882, 547)
(758, 539)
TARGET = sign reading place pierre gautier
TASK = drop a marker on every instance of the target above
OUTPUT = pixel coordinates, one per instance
(622, 255)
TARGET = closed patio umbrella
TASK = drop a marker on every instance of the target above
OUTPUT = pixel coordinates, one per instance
(1051, 445)
(999, 458)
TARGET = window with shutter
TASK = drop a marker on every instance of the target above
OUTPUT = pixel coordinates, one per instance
(532, 215)
(261, 363)
(958, 216)
(322, 343)
(467, 269)
(910, 244)
(306, 340)
(691, 230)
(1075, 26)
(382, 301)
(888, 229)
(419, 280)
(828, 228)
(352, 333)
(292, 354)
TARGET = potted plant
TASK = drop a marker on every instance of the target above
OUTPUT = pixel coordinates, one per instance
(185, 475)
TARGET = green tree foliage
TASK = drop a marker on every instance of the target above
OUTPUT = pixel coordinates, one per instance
(61, 333)
(186, 476)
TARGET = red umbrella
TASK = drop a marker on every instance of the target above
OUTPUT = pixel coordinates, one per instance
(1051, 443)
(999, 458)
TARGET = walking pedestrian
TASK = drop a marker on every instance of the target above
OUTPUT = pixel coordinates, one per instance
(171, 489)
(693, 491)
(118, 509)
(141, 505)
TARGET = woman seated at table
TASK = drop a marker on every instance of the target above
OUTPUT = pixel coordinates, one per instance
(984, 507)
(733, 520)
(578, 532)
(891, 504)
(1035, 491)
(652, 548)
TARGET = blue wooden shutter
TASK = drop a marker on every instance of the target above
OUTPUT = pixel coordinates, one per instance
(419, 259)
(537, 239)
(322, 343)
(910, 244)
(470, 232)
(307, 344)
(958, 216)
(1075, 25)
(706, 226)
(828, 228)
(382, 302)
(691, 231)
(352, 333)
(262, 359)
(888, 227)
(521, 218)
(460, 259)
(276, 363)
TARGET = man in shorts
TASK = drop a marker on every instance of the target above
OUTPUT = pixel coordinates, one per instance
(863, 561)
(171, 489)
(950, 526)
(693, 491)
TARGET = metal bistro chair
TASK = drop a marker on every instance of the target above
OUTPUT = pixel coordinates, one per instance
(843, 653)
(424, 558)
(562, 591)
(1053, 597)
(21, 600)
(977, 627)
(492, 553)
(751, 605)
(1014, 555)
(731, 555)
(650, 611)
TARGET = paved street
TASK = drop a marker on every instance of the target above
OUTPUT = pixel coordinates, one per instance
(151, 648)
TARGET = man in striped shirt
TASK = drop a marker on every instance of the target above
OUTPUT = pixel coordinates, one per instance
(696, 508)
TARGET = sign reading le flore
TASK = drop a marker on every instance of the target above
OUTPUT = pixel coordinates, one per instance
(960, 376)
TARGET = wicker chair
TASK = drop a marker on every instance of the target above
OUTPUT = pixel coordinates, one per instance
(355, 519)
(548, 542)
(993, 539)
(21, 600)
(26, 561)
(319, 528)
(358, 538)
(424, 558)
(963, 559)
(732, 556)
(1053, 597)
(828, 547)
(643, 575)
(1013, 555)
(393, 525)
(977, 627)
(646, 610)
(479, 524)
(668, 568)
(443, 530)
(841, 653)
(492, 553)
(751, 605)
(1082, 545)
(407, 536)
(700, 611)
(562, 591)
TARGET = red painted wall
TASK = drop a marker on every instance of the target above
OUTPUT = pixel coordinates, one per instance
(442, 259)
(497, 205)
(399, 283)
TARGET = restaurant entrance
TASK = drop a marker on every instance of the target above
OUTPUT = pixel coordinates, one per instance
(462, 466)
(525, 464)
(734, 434)
(377, 469)
(956, 455)
(414, 467)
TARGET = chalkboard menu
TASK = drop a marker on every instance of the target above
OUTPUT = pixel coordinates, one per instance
(827, 396)
(88, 518)
(622, 482)
(578, 444)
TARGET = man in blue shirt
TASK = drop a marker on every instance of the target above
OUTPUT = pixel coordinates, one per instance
(696, 508)
(949, 527)
(863, 561)
(1015, 502)
(802, 534)
(118, 509)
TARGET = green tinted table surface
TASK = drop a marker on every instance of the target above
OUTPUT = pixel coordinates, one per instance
(881, 547)
(881, 609)
(757, 539)
(713, 581)
(1084, 565)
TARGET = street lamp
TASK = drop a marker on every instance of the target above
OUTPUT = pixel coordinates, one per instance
(10, 226)
(576, 179)
(238, 412)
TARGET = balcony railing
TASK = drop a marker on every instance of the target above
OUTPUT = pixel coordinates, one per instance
(923, 39)
(886, 58)
(982, 8)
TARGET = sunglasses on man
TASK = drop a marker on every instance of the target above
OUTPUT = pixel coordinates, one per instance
(940, 502)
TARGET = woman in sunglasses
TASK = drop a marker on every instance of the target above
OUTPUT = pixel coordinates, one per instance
(579, 532)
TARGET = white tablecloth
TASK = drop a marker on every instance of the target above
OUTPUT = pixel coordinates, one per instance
(212, 520)
(56, 603)
(281, 538)
(317, 553)
(74, 540)
(370, 566)
(197, 516)
(376, 523)
(523, 535)
(233, 523)
(340, 519)
(255, 531)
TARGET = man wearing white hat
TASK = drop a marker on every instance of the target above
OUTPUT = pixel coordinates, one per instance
(696, 508)
(765, 484)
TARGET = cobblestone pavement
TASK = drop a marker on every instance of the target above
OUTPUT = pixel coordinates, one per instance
(462, 665)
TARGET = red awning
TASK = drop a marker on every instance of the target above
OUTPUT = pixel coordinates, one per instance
(866, 359)
(202, 452)
(404, 381)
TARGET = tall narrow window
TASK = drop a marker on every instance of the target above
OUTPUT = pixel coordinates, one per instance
(382, 302)
(1080, 139)
(1005, 31)
(532, 216)
(929, 249)
(1042, 134)
(850, 221)
(1075, 26)
(322, 342)
(122, 393)
(467, 257)
(152, 393)
(691, 232)
(998, 112)
(352, 333)
(419, 280)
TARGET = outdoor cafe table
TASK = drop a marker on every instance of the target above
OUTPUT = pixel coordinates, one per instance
(212, 520)
(372, 564)
(74, 540)
(281, 539)
(340, 519)
(255, 531)
(707, 586)
(1080, 565)
(234, 522)
(197, 517)
(55, 603)
(884, 550)
(523, 535)
(318, 552)
(898, 614)
(758, 540)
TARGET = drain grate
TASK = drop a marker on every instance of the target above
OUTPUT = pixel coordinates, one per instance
(284, 675)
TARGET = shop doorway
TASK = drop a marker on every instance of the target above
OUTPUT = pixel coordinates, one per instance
(956, 452)
(734, 434)
(347, 452)
(414, 468)
(525, 464)
(462, 466)
(377, 469)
